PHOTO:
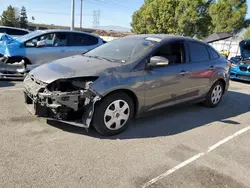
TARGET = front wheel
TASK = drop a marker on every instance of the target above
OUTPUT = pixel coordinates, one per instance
(215, 94)
(113, 114)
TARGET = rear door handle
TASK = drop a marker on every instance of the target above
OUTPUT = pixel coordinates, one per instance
(183, 73)
(211, 68)
(62, 50)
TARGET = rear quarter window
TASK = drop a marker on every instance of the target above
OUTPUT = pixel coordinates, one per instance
(212, 53)
(198, 52)
(78, 39)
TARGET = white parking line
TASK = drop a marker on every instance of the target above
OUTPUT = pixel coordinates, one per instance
(16, 89)
(190, 160)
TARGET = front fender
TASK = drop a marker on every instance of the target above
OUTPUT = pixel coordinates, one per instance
(133, 82)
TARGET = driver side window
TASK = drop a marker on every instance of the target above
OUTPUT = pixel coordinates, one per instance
(174, 52)
(47, 39)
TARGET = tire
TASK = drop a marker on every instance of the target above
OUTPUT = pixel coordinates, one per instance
(113, 114)
(214, 95)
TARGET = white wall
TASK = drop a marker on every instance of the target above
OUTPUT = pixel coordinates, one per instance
(108, 38)
(230, 45)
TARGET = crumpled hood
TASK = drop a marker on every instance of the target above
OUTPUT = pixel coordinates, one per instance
(245, 48)
(72, 67)
(10, 46)
(5, 37)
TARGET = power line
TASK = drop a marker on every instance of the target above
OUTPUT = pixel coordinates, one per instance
(110, 4)
(119, 3)
(96, 14)
(58, 13)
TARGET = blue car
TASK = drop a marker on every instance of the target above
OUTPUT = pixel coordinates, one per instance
(40, 47)
(240, 69)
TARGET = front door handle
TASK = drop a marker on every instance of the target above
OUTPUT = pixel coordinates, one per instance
(62, 50)
(211, 68)
(183, 73)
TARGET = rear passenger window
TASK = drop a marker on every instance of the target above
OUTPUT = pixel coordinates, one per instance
(212, 53)
(198, 52)
(82, 40)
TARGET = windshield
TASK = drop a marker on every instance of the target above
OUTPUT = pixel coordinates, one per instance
(29, 36)
(123, 50)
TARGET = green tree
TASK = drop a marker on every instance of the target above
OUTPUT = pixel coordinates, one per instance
(193, 18)
(228, 15)
(182, 17)
(247, 34)
(155, 16)
(10, 17)
(186, 17)
(23, 18)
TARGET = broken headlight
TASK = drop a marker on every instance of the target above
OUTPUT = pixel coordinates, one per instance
(69, 85)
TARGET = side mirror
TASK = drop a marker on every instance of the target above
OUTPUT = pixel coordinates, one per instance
(40, 44)
(158, 61)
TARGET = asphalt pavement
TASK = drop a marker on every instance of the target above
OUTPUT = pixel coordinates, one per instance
(178, 147)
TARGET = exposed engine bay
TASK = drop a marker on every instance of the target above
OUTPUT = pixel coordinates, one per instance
(66, 100)
(245, 61)
(12, 69)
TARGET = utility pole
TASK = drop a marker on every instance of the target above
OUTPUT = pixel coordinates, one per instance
(81, 17)
(72, 14)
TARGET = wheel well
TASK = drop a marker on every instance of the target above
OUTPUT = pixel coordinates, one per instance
(131, 95)
(18, 59)
(223, 83)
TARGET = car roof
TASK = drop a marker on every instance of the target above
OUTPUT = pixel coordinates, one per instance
(14, 28)
(65, 30)
(164, 37)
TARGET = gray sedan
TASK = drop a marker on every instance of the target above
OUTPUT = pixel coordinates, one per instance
(126, 78)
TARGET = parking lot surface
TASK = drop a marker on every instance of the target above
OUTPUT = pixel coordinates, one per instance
(156, 151)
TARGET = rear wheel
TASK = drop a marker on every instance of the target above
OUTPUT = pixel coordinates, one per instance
(215, 94)
(113, 114)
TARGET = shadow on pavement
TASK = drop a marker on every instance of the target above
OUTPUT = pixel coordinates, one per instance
(6, 83)
(240, 81)
(175, 120)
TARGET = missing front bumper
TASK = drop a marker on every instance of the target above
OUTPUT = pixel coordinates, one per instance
(12, 71)
(61, 113)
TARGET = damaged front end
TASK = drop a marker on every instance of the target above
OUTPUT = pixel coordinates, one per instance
(15, 70)
(66, 100)
(12, 58)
